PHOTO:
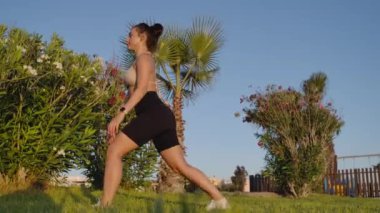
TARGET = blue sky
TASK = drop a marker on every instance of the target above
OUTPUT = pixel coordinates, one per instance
(266, 42)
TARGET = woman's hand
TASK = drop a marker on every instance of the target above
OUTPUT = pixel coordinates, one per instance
(113, 126)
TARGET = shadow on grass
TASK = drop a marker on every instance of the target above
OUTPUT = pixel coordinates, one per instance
(183, 205)
(153, 203)
(29, 200)
(87, 193)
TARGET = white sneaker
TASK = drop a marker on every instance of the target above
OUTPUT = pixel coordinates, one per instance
(218, 204)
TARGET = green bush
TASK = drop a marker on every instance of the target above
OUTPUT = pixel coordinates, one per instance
(55, 106)
(297, 131)
(49, 105)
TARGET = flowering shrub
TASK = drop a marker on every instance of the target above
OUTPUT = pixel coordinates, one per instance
(50, 99)
(297, 131)
(55, 106)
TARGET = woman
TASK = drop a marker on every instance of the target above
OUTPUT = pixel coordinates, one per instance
(154, 121)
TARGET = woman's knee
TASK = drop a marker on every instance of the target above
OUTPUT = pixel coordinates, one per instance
(180, 167)
(114, 152)
(120, 146)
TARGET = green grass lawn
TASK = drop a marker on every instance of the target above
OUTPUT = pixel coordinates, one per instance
(77, 199)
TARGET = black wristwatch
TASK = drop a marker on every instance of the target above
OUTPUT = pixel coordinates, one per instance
(122, 109)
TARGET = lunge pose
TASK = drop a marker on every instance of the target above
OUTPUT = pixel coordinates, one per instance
(154, 120)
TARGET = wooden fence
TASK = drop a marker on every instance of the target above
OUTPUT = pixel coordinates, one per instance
(259, 183)
(363, 182)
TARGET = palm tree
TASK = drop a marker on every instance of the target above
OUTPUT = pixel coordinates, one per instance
(186, 64)
(314, 89)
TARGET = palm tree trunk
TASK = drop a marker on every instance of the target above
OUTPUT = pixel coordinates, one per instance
(177, 108)
(168, 180)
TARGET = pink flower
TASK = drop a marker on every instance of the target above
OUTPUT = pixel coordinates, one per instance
(112, 101)
(252, 97)
(114, 72)
(247, 119)
(122, 95)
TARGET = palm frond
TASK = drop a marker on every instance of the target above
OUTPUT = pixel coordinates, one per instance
(167, 73)
(164, 87)
(172, 47)
(205, 41)
(167, 92)
(199, 79)
(315, 85)
(127, 56)
(188, 96)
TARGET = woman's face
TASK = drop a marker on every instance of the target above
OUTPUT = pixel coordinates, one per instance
(133, 39)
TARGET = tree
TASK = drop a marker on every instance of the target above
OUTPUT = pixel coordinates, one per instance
(186, 63)
(377, 166)
(239, 178)
(297, 131)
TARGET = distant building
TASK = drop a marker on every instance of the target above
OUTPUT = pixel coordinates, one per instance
(227, 181)
(215, 181)
(246, 185)
(72, 181)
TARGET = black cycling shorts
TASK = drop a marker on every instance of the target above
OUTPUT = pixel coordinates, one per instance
(155, 121)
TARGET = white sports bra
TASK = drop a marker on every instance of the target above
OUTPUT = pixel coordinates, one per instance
(130, 76)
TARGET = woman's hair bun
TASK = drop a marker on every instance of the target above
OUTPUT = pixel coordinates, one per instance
(157, 29)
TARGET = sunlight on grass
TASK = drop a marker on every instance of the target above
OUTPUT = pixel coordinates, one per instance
(77, 199)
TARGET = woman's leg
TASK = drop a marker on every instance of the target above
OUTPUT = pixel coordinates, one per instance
(174, 157)
(121, 145)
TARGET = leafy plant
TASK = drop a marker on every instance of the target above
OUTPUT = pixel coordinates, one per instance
(297, 131)
(54, 109)
(239, 178)
(49, 98)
